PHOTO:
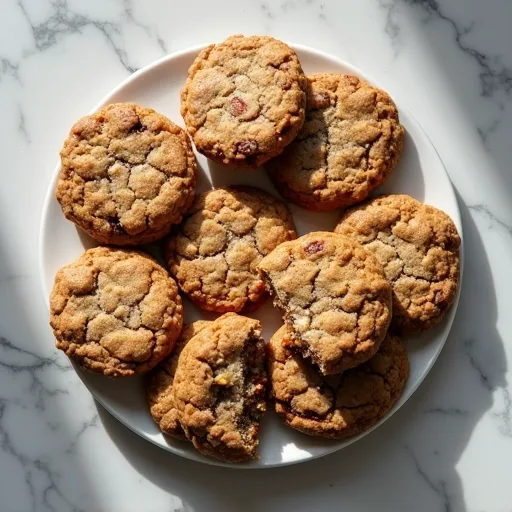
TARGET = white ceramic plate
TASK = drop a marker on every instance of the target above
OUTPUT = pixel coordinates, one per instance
(420, 173)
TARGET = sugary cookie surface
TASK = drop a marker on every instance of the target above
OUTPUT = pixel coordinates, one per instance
(215, 252)
(335, 297)
(128, 174)
(244, 99)
(115, 311)
(418, 247)
(350, 143)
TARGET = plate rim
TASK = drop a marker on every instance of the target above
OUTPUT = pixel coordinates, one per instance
(342, 443)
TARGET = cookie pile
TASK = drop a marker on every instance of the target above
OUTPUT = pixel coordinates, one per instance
(336, 366)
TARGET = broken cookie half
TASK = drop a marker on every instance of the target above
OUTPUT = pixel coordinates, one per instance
(335, 298)
(220, 387)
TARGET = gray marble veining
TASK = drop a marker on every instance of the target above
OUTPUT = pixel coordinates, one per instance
(448, 448)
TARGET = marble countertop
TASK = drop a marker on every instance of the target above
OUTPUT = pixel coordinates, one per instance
(449, 447)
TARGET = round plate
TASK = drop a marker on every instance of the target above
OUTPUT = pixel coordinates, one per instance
(420, 174)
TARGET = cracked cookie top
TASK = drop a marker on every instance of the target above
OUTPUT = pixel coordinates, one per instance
(128, 174)
(215, 251)
(335, 406)
(115, 311)
(159, 384)
(244, 100)
(219, 388)
(335, 296)
(418, 246)
(351, 141)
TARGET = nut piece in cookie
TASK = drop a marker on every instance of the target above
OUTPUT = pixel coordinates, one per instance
(418, 247)
(159, 385)
(335, 296)
(219, 388)
(244, 100)
(349, 144)
(115, 311)
(215, 251)
(127, 175)
(335, 406)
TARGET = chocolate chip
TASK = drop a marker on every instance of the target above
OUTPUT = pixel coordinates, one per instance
(384, 113)
(138, 127)
(285, 130)
(246, 147)
(115, 224)
(237, 106)
(320, 100)
(314, 247)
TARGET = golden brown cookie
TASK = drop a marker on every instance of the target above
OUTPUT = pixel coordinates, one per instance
(351, 141)
(219, 388)
(159, 385)
(335, 406)
(215, 251)
(335, 297)
(418, 247)
(115, 312)
(128, 174)
(244, 100)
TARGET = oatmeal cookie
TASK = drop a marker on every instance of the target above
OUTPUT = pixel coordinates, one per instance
(418, 247)
(335, 406)
(127, 175)
(351, 141)
(159, 385)
(220, 386)
(115, 312)
(244, 100)
(215, 251)
(335, 297)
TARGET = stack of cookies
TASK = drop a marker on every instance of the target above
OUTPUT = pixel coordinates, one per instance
(336, 366)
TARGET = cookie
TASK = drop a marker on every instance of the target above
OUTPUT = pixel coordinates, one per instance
(219, 388)
(418, 247)
(336, 406)
(351, 141)
(335, 296)
(159, 385)
(215, 251)
(244, 100)
(115, 311)
(127, 175)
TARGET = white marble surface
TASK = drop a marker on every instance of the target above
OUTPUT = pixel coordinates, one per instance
(449, 448)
